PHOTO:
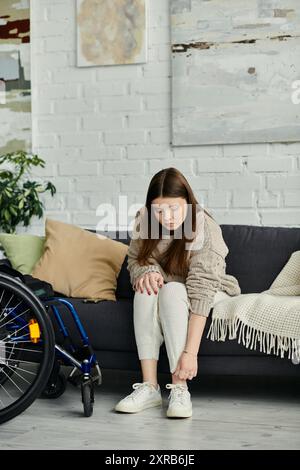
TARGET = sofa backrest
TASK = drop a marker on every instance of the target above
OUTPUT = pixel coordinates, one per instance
(256, 255)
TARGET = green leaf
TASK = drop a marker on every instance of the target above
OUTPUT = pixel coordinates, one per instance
(19, 195)
(13, 211)
(7, 215)
(21, 204)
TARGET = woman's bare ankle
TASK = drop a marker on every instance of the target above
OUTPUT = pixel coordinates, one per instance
(176, 380)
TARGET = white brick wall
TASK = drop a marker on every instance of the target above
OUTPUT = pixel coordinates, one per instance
(105, 131)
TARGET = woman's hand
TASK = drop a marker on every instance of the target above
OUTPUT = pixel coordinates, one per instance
(187, 366)
(149, 280)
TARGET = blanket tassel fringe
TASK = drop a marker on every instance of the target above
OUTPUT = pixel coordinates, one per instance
(269, 342)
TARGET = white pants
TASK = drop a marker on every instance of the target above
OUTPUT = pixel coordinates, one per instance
(162, 317)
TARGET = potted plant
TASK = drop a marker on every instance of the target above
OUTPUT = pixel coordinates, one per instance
(20, 196)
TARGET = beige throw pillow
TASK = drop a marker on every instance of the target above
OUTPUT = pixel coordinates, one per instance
(78, 263)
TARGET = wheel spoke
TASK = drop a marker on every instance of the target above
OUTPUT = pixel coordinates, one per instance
(23, 349)
(14, 318)
(6, 306)
(15, 332)
(21, 360)
(6, 392)
(14, 370)
(12, 381)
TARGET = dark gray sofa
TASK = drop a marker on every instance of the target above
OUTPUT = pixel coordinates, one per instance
(256, 256)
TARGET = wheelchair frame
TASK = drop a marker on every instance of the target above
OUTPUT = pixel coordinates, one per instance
(86, 354)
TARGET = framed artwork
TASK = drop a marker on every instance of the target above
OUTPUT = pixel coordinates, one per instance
(111, 32)
(233, 69)
(15, 84)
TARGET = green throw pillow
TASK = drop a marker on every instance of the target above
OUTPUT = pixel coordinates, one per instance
(22, 250)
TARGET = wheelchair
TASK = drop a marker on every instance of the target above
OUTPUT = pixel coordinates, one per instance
(30, 357)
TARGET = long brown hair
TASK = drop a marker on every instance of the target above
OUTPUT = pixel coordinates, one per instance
(169, 182)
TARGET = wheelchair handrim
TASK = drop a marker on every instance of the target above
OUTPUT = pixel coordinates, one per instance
(45, 367)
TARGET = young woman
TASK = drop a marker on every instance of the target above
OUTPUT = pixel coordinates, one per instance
(178, 275)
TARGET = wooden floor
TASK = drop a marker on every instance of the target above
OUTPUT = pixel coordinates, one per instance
(228, 413)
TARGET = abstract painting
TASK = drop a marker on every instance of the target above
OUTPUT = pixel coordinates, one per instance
(15, 85)
(111, 32)
(234, 65)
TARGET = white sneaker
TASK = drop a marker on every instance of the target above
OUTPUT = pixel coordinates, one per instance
(145, 395)
(180, 404)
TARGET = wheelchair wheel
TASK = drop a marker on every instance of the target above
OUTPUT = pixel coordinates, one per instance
(27, 347)
(56, 388)
(87, 395)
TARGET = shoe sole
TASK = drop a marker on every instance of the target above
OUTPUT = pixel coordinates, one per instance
(182, 414)
(137, 410)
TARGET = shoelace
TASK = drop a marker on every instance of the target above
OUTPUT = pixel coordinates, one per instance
(139, 387)
(177, 392)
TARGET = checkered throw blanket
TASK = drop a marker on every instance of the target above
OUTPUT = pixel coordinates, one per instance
(271, 317)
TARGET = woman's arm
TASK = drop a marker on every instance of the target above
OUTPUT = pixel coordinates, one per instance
(195, 331)
(187, 366)
(203, 281)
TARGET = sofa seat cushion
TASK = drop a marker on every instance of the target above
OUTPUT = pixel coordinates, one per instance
(109, 326)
